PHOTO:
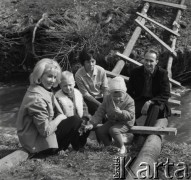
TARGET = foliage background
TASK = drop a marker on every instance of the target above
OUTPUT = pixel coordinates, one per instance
(69, 25)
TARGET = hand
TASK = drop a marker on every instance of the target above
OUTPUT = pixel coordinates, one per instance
(117, 110)
(99, 125)
(88, 127)
(146, 107)
(61, 116)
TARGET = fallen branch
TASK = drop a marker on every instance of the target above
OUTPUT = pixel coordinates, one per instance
(44, 16)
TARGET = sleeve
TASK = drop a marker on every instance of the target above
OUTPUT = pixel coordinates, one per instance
(130, 86)
(85, 111)
(99, 114)
(128, 114)
(164, 92)
(38, 110)
(58, 108)
(104, 80)
(81, 86)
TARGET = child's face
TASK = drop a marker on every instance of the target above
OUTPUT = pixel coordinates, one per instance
(48, 79)
(67, 85)
(118, 96)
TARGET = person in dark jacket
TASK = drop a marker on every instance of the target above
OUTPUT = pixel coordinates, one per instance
(149, 86)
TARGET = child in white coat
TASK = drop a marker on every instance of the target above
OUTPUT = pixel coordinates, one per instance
(72, 103)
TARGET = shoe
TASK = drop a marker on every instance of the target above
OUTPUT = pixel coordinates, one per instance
(122, 151)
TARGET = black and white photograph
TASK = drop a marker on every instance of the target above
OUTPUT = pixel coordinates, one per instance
(95, 89)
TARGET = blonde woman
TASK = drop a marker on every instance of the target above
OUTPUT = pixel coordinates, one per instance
(41, 124)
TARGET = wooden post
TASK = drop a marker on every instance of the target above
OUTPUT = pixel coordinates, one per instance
(174, 38)
(120, 64)
(149, 152)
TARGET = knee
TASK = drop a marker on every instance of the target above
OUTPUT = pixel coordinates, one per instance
(114, 131)
(100, 132)
(75, 120)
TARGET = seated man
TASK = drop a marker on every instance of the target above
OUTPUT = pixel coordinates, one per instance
(91, 80)
(150, 88)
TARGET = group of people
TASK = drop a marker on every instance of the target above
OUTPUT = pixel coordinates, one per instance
(50, 121)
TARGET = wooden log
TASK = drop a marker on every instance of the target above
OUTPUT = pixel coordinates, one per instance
(157, 38)
(160, 25)
(148, 154)
(179, 6)
(153, 130)
(120, 64)
(139, 64)
(12, 160)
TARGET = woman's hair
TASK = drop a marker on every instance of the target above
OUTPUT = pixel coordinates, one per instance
(42, 66)
(87, 55)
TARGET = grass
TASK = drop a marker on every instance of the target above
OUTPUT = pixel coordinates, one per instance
(94, 162)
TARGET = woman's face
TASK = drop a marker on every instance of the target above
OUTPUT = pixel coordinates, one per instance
(89, 65)
(48, 79)
(118, 97)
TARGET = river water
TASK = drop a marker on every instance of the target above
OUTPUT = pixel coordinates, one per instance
(183, 123)
(11, 97)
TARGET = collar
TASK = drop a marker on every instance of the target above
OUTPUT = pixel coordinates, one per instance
(95, 72)
(42, 91)
(150, 74)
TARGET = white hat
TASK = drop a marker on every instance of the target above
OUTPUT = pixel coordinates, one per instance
(117, 84)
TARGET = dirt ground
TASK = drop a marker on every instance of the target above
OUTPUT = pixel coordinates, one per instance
(95, 162)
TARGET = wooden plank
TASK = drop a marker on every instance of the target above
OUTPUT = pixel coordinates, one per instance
(139, 64)
(174, 102)
(176, 112)
(175, 82)
(157, 38)
(164, 27)
(111, 74)
(179, 6)
(153, 130)
(128, 59)
(175, 94)
(13, 159)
